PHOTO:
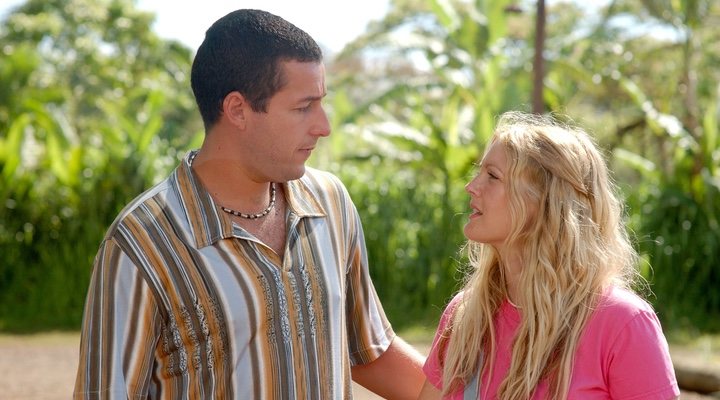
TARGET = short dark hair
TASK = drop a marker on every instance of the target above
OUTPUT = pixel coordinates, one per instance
(242, 52)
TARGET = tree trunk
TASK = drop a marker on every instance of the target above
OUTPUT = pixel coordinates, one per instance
(538, 104)
(697, 380)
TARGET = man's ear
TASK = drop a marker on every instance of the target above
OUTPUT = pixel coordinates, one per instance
(235, 108)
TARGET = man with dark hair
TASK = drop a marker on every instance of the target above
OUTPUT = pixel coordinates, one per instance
(244, 274)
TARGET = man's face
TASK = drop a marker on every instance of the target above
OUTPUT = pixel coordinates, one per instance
(281, 140)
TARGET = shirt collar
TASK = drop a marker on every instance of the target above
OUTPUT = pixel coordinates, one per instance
(210, 224)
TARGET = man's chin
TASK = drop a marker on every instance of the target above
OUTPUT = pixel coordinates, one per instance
(296, 173)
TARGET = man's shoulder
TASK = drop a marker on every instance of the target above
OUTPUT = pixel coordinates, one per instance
(321, 181)
(323, 190)
(154, 194)
(314, 174)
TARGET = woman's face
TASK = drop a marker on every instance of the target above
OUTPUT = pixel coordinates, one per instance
(490, 220)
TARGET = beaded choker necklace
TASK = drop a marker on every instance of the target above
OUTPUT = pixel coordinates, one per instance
(241, 214)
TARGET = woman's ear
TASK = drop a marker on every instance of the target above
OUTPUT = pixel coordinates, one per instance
(234, 108)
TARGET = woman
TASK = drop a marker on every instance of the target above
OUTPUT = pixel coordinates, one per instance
(548, 312)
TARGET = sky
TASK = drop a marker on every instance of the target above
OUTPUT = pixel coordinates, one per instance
(332, 23)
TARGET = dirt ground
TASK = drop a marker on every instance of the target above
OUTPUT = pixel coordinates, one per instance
(42, 367)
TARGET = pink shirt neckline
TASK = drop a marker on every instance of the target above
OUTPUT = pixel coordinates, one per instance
(622, 352)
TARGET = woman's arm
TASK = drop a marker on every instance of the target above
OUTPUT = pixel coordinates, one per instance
(429, 392)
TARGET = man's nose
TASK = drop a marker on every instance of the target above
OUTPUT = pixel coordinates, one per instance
(322, 126)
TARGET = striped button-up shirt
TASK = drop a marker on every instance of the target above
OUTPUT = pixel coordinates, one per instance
(184, 304)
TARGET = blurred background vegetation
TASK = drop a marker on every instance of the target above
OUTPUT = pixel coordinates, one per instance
(95, 108)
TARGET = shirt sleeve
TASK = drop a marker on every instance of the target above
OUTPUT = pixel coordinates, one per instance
(369, 331)
(120, 330)
(640, 367)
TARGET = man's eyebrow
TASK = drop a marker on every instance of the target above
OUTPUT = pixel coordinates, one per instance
(313, 98)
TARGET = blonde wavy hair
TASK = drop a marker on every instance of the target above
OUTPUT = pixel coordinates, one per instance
(574, 247)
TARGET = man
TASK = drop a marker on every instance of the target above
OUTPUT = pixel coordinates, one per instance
(243, 275)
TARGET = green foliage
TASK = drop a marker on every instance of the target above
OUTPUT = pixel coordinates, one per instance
(683, 246)
(95, 108)
(677, 214)
(412, 236)
(420, 130)
(434, 114)
(678, 202)
(92, 104)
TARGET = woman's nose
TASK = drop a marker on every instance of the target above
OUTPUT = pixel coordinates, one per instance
(471, 187)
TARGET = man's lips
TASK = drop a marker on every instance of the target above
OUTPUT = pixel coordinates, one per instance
(306, 151)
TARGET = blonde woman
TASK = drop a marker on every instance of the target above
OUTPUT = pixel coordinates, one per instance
(548, 312)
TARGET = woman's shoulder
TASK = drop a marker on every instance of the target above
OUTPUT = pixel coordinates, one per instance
(621, 301)
(450, 308)
(617, 308)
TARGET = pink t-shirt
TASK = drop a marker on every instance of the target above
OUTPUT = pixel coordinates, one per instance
(622, 354)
